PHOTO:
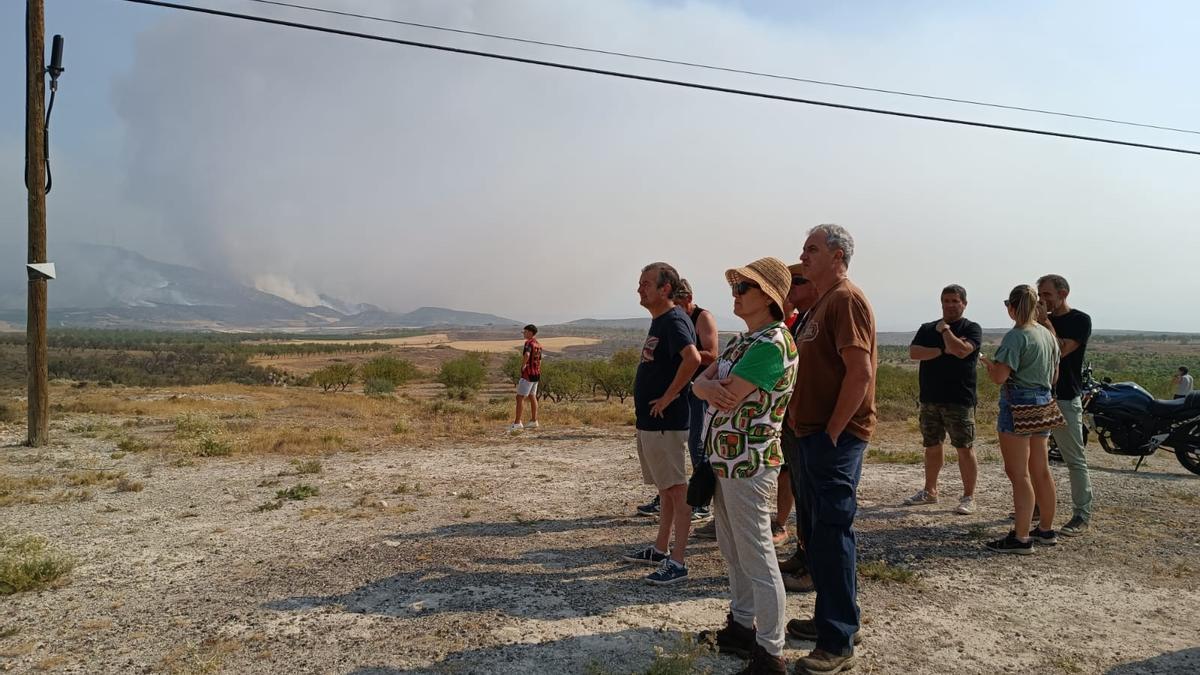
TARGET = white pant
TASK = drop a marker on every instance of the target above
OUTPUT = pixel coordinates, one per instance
(742, 508)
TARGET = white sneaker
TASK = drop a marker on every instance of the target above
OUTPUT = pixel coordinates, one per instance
(516, 427)
(532, 425)
(966, 506)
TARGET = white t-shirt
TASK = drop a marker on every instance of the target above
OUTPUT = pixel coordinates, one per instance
(1185, 385)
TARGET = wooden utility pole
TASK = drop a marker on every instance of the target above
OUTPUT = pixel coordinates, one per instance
(35, 181)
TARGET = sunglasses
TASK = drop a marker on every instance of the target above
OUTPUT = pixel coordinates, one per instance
(799, 281)
(743, 287)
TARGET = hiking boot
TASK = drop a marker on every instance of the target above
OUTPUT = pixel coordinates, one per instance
(669, 572)
(701, 514)
(798, 563)
(806, 629)
(1074, 527)
(798, 583)
(734, 638)
(821, 662)
(921, 497)
(532, 425)
(650, 509)
(779, 534)
(966, 506)
(646, 556)
(706, 531)
(1044, 537)
(762, 663)
(1010, 544)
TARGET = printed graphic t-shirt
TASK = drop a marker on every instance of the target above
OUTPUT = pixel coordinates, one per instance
(670, 333)
(741, 444)
(842, 319)
(532, 370)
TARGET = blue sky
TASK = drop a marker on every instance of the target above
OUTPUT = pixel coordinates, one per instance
(306, 163)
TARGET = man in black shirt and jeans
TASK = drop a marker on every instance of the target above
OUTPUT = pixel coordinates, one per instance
(1072, 328)
(948, 350)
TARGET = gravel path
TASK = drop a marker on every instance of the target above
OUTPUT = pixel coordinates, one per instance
(504, 559)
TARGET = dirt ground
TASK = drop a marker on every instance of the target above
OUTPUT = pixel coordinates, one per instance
(501, 555)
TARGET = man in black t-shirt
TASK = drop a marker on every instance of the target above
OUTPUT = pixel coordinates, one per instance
(669, 359)
(948, 350)
(1072, 328)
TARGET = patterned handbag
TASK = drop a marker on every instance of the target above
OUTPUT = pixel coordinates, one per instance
(1035, 418)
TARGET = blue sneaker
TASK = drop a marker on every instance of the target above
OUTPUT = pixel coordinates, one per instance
(650, 509)
(647, 556)
(668, 573)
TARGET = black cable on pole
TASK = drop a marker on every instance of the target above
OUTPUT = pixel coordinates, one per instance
(725, 69)
(657, 80)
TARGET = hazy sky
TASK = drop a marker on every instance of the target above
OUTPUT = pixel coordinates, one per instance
(405, 177)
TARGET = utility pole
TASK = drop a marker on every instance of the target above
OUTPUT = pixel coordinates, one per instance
(37, 368)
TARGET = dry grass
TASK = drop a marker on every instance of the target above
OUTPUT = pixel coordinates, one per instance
(199, 659)
(98, 477)
(882, 570)
(30, 563)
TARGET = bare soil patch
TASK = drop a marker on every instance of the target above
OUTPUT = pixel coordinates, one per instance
(496, 553)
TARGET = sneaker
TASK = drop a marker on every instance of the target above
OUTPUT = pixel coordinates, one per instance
(650, 509)
(796, 564)
(1010, 544)
(706, 531)
(806, 629)
(922, 497)
(532, 425)
(779, 534)
(647, 556)
(701, 514)
(516, 426)
(763, 663)
(1074, 527)
(821, 662)
(669, 572)
(1044, 537)
(966, 506)
(798, 583)
(734, 638)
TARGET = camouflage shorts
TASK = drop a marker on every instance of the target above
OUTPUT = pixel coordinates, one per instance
(940, 419)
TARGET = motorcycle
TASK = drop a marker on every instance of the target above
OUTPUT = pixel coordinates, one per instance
(1129, 421)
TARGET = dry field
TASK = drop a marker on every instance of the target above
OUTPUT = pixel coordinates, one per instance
(231, 529)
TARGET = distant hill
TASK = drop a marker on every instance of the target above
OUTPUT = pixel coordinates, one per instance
(111, 287)
(641, 323)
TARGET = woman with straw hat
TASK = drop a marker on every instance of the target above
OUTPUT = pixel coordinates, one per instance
(747, 390)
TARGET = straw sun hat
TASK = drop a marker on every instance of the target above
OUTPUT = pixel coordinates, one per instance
(771, 275)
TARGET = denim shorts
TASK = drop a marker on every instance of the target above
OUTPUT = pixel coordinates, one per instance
(1010, 394)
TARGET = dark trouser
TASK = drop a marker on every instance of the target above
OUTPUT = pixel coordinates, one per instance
(791, 454)
(831, 474)
(696, 432)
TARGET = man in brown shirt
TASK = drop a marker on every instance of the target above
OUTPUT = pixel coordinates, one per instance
(832, 414)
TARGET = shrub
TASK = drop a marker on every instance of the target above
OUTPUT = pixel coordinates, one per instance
(377, 386)
(388, 369)
(298, 492)
(512, 367)
(211, 446)
(566, 379)
(30, 563)
(334, 377)
(465, 372)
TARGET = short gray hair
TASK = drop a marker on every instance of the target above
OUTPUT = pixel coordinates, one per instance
(837, 237)
(1056, 280)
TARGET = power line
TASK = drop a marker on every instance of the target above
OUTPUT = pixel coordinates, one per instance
(725, 69)
(656, 80)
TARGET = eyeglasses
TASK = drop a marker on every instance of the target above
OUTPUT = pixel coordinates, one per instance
(799, 281)
(743, 287)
